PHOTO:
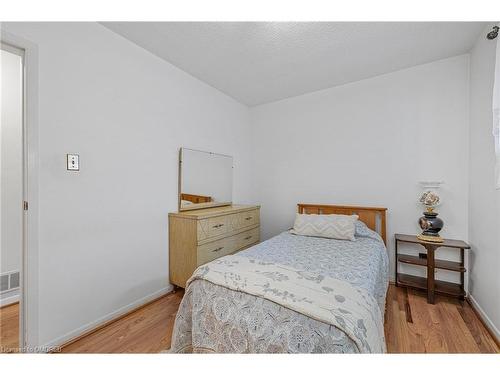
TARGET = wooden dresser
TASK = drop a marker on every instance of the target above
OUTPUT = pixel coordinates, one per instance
(200, 236)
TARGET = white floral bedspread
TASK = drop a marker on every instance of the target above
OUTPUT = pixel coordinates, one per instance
(224, 319)
(323, 298)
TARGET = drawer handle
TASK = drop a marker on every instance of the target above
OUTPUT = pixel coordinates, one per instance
(218, 249)
(248, 218)
(218, 225)
(248, 237)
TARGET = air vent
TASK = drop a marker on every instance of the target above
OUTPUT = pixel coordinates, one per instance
(4, 283)
(9, 281)
(14, 280)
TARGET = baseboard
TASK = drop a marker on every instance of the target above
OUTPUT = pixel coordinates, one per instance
(4, 302)
(492, 329)
(89, 328)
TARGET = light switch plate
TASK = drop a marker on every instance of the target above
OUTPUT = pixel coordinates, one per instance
(72, 162)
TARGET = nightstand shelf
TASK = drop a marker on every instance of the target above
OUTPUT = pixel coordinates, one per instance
(440, 287)
(438, 263)
(429, 283)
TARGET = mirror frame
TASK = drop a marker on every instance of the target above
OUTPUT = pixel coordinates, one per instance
(197, 206)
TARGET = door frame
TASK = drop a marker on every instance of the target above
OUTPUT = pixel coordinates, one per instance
(28, 301)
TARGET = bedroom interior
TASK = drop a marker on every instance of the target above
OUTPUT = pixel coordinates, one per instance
(250, 187)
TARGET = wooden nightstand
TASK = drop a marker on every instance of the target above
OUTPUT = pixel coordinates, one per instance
(428, 283)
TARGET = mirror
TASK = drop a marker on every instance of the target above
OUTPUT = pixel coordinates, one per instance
(205, 179)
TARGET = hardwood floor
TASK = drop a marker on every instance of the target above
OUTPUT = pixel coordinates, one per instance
(411, 326)
(147, 330)
(448, 326)
(9, 328)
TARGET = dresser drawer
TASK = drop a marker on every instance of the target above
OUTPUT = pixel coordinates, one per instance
(226, 246)
(247, 238)
(217, 226)
(213, 227)
(215, 249)
(247, 218)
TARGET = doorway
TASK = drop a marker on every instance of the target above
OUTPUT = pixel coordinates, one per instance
(12, 204)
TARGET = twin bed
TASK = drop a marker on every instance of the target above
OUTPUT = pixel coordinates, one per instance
(291, 294)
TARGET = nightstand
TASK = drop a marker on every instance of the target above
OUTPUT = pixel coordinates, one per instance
(428, 283)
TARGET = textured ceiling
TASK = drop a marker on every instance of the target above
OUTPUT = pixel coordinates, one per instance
(260, 62)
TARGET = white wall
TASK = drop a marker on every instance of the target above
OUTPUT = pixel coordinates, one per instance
(103, 241)
(11, 167)
(368, 143)
(484, 200)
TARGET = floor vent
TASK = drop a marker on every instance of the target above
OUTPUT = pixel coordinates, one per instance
(9, 281)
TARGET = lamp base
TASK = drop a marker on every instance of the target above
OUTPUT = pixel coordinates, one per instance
(423, 237)
(431, 225)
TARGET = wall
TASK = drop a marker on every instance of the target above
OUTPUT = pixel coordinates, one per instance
(11, 168)
(484, 200)
(369, 143)
(126, 112)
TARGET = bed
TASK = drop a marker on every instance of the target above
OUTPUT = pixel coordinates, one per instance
(310, 294)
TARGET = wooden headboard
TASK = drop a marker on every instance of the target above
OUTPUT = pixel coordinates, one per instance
(195, 198)
(368, 215)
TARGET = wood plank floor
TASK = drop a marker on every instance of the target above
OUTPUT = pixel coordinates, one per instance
(9, 327)
(411, 326)
(147, 330)
(448, 326)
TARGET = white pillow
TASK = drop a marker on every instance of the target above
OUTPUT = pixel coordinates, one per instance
(340, 227)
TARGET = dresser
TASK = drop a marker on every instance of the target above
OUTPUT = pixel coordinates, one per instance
(200, 236)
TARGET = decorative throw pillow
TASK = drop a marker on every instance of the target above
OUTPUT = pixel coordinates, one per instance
(340, 227)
